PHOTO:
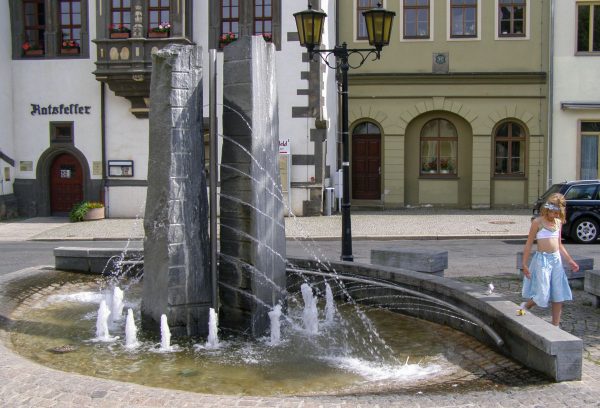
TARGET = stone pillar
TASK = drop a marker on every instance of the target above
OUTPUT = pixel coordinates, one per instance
(252, 263)
(177, 279)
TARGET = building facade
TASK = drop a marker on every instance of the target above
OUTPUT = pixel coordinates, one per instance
(574, 143)
(455, 113)
(75, 101)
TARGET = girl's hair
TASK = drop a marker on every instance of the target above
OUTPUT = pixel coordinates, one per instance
(557, 200)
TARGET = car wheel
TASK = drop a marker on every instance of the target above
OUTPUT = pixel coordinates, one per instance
(585, 231)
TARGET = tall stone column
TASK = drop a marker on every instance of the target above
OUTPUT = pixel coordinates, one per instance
(177, 279)
(252, 263)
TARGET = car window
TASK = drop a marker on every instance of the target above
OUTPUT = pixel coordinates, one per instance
(581, 192)
(555, 188)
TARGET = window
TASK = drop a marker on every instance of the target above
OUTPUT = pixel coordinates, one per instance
(263, 18)
(511, 18)
(158, 13)
(230, 17)
(34, 13)
(463, 18)
(49, 28)
(582, 192)
(244, 18)
(70, 26)
(120, 14)
(509, 153)
(588, 27)
(590, 135)
(439, 148)
(361, 26)
(416, 19)
(61, 132)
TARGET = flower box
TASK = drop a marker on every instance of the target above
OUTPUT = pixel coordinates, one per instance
(158, 34)
(32, 53)
(72, 51)
(119, 35)
(94, 214)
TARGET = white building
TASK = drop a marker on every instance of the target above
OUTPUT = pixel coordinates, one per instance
(74, 100)
(575, 138)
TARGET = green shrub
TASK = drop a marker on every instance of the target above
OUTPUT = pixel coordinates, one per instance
(79, 210)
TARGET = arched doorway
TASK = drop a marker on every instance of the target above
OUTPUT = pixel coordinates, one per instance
(66, 183)
(366, 162)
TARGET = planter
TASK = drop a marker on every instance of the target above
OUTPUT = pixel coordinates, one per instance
(158, 34)
(94, 214)
(71, 51)
(34, 53)
(119, 35)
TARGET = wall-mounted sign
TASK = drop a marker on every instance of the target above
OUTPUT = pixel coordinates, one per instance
(285, 146)
(62, 109)
(26, 166)
(120, 168)
(97, 168)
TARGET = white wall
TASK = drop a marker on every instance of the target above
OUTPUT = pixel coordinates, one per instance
(6, 95)
(575, 80)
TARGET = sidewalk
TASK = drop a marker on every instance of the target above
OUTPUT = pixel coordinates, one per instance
(376, 225)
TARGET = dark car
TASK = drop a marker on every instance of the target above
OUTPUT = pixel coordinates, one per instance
(583, 209)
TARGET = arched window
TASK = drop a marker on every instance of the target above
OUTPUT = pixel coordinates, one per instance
(439, 148)
(509, 150)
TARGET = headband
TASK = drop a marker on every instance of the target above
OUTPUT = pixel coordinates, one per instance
(551, 207)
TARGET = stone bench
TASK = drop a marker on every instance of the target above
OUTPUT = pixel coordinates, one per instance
(592, 286)
(96, 260)
(414, 259)
(585, 264)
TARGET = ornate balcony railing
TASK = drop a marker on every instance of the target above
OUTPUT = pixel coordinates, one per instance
(126, 65)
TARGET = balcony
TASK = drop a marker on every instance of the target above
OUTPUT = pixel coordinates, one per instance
(125, 64)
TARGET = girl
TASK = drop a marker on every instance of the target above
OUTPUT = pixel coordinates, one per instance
(545, 279)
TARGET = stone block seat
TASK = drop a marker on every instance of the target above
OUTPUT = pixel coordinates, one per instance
(592, 286)
(423, 260)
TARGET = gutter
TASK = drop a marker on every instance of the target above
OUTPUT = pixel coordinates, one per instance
(550, 94)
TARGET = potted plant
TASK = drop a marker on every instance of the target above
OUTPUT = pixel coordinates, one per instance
(119, 31)
(446, 166)
(69, 47)
(429, 166)
(87, 211)
(31, 49)
(163, 30)
(268, 37)
(227, 38)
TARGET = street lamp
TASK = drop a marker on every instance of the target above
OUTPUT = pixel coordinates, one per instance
(379, 24)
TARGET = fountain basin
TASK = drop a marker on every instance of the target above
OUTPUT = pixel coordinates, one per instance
(527, 339)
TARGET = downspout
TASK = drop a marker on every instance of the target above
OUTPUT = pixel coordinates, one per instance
(103, 142)
(550, 95)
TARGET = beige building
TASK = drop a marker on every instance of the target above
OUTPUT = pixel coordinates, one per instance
(455, 113)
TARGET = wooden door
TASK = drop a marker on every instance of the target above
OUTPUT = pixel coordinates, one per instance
(366, 167)
(66, 183)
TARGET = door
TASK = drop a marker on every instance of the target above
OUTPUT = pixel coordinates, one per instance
(66, 183)
(366, 163)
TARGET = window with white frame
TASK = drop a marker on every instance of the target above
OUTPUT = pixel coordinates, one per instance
(512, 18)
(588, 27)
(416, 16)
(463, 18)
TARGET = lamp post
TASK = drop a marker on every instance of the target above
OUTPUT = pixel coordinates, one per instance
(379, 24)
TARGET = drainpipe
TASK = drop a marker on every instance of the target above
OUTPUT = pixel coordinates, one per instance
(550, 94)
(103, 142)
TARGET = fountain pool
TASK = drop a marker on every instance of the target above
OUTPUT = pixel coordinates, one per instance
(59, 309)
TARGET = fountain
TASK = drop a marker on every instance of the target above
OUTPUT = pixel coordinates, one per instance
(351, 347)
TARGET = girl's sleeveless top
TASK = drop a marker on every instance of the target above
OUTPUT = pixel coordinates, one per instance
(545, 232)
